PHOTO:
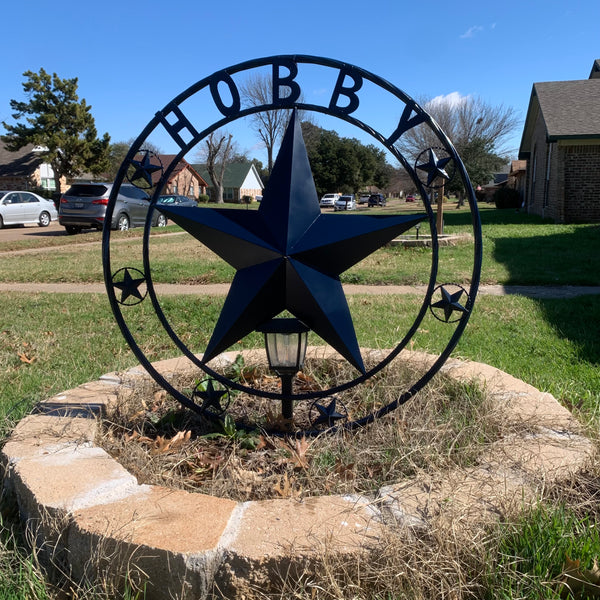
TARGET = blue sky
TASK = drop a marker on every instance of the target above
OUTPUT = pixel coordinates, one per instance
(131, 58)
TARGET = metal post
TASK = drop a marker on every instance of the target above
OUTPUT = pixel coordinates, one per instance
(440, 210)
(287, 404)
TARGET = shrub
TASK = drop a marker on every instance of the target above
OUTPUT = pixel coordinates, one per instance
(203, 199)
(507, 198)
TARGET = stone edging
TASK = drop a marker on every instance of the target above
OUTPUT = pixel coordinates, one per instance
(91, 517)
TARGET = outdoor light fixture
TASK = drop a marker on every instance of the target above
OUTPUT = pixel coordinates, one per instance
(285, 342)
(417, 227)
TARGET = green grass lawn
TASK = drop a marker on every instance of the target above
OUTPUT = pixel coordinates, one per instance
(548, 343)
(52, 342)
(518, 249)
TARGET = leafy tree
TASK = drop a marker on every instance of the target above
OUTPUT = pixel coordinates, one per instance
(477, 129)
(56, 119)
(117, 153)
(343, 164)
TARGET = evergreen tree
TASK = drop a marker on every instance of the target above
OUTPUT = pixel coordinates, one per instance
(54, 118)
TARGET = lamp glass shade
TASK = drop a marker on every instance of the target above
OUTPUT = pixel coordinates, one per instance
(285, 341)
(286, 350)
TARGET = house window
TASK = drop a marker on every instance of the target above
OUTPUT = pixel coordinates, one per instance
(192, 190)
(175, 188)
(228, 193)
(48, 183)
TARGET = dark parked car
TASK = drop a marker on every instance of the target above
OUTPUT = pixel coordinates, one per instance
(83, 206)
(175, 200)
(377, 200)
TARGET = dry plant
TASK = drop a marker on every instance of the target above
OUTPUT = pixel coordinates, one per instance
(448, 424)
(439, 563)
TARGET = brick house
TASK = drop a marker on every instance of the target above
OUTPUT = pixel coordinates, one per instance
(561, 143)
(25, 169)
(517, 176)
(184, 179)
(239, 180)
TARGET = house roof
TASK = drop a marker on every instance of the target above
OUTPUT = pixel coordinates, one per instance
(21, 163)
(166, 160)
(570, 110)
(234, 176)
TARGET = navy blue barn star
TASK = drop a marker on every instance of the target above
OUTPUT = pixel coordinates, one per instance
(130, 286)
(435, 167)
(144, 169)
(289, 256)
(328, 415)
(211, 397)
(450, 303)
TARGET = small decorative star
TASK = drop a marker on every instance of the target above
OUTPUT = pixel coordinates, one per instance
(130, 286)
(328, 414)
(211, 397)
(435, 167)
(449, 303)
(144, 169)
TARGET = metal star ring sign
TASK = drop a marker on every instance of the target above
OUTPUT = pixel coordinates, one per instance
(286, 256)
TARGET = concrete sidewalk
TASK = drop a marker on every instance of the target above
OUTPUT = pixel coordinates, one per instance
(220, 289)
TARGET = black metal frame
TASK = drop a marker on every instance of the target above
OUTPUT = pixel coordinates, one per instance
(173, 119)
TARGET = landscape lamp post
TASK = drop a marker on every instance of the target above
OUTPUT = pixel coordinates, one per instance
(285, 342)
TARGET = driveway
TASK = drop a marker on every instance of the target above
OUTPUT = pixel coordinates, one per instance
(12, 233)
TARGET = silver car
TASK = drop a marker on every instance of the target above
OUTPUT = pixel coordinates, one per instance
(20, 208)
(329, 199)
(346, 202)
(83, 206)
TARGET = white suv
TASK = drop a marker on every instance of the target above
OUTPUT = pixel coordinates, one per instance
(329, 199)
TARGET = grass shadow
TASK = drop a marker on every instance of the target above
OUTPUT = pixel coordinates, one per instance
(562, 257)
(578, 321)
(556, 255)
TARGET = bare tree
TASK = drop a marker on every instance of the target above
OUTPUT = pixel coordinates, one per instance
(478, 130)
(270, 125)
(219, 152)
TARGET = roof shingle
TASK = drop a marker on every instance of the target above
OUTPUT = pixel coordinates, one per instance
(570, 108)
(21, 163)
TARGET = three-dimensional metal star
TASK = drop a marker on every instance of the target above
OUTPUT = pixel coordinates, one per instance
(289, 256)
(211, 397)
(450, 303)
(328, 415)
(435, 167)
(130, 286)
(144, 169)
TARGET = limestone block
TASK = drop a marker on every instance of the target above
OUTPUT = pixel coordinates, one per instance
(70, 478)
(278, 537)
(36, 435)
(168, 538)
